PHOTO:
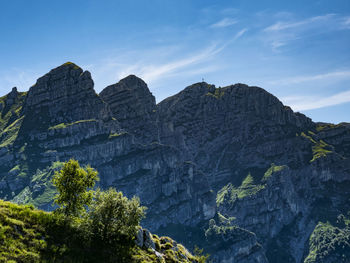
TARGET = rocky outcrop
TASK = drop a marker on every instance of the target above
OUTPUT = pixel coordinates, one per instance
(234, 244)
(134, 106)
(64, 95)
(229, 130)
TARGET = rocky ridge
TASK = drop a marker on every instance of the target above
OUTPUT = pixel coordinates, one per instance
(235, 155)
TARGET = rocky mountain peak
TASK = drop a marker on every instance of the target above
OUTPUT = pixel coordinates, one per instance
(133, 105)
(131, 91)
(65, 94)
(12, 97)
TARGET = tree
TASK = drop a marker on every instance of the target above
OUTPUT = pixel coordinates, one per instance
(73, 183)
(114, 217)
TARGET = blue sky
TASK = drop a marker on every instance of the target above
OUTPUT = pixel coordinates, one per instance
(297, 50)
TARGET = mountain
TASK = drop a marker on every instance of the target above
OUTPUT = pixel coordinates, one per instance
(230, 169)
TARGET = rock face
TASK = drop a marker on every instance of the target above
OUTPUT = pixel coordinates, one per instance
(235, 155)
(64, 118)
(134, 107)
(65, 94)
(228, 130)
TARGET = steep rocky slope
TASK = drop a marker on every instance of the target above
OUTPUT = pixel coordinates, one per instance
(230, 169)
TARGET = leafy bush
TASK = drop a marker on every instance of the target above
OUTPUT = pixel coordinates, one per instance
(113, 218)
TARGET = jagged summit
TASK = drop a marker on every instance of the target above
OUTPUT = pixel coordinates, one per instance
(133, 105)
(68, 64)
(65, 94)
(131, 87)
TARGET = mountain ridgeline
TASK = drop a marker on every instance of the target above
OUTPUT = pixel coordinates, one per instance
(229, 169)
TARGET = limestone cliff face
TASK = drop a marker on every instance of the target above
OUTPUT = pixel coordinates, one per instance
(134, 106)
(65, 94)
(235, 155)
(228, 130)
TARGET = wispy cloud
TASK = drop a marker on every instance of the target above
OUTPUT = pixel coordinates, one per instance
(335, 75)
(153, 72)
(346, 22)
(302, 103)
(240, 33)
(225, 22)
(279, 26)
(283, 32)
(16, 77)
(153, 65)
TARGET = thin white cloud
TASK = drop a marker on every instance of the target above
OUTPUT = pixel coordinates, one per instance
(240, 33)
(22, 79)
(346, 22)
(286, 31)
(225, 22)
(279, 26)
(153, 65)
(152, 73)
(302, 103)
(335, 75)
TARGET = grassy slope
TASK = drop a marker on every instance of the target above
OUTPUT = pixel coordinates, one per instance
(329, 243)
(31, 235)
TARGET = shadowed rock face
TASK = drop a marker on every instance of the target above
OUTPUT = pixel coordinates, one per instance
(65, 94)
(234, 154)
(134, 107)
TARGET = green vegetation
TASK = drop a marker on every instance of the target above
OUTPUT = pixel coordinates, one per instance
(115, 135)
(218, 93)
(319, 148)
(44, 191)
(329, 243)
(273, 169)
(71, 63)
(10, 119)
(113, 218)
(73, 183)
(249, 187)
(215, 229)
(325, 126)
(230, 193)
(104, 233)
(65, 125)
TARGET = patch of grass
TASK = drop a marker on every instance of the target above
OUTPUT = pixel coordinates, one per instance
(10, 119)
(319, 148)
(273, 169)
(218, 93)
(325, 126)
(71, 63)
(45, 194)
(229, 193)
(329, 243)
(115, 135)
(65, 125)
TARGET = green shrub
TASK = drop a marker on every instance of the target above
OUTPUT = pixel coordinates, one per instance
(113, 216)
(73, 183)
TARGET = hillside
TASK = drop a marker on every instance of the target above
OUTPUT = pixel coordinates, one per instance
(230, 169)
(31, 235)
